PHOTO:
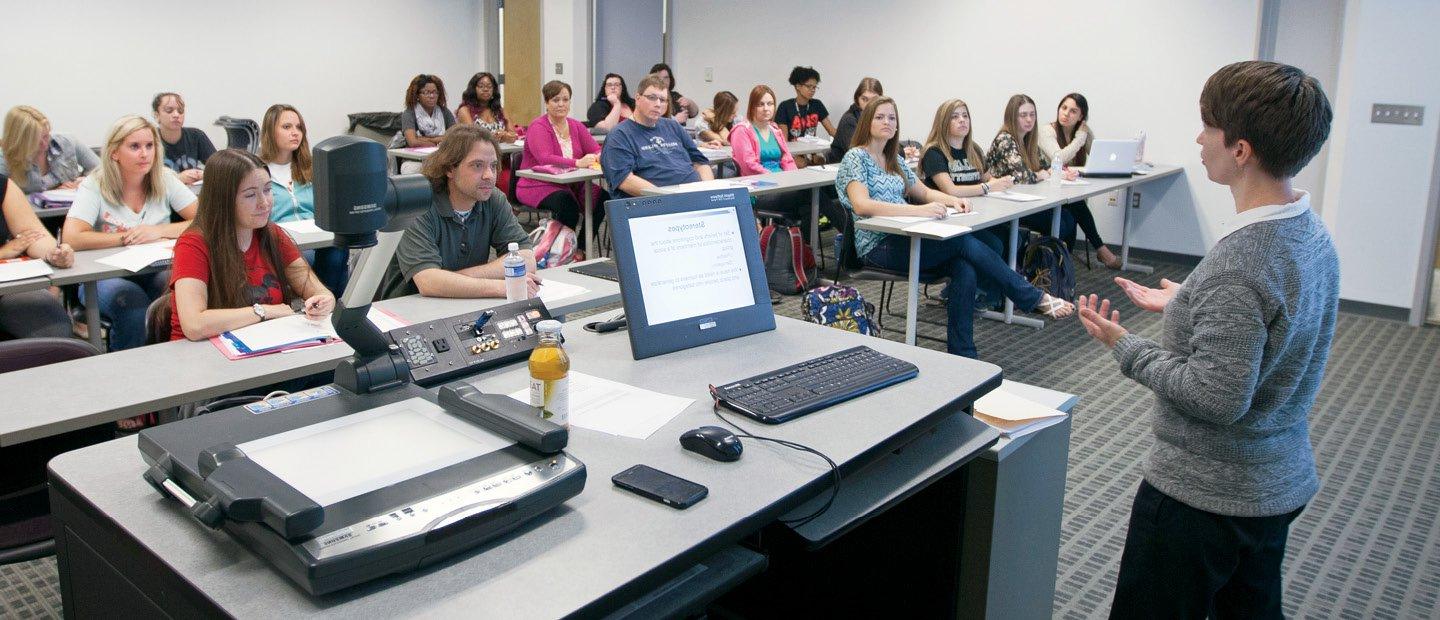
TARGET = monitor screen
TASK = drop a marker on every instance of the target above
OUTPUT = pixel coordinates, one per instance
(690, 263)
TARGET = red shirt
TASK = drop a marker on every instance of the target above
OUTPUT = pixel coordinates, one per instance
(192, 260)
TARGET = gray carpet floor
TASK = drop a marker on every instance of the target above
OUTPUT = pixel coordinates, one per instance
(1368, 546)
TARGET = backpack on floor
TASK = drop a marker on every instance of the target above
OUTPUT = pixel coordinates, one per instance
(554, 244)
(840, 307)
(789, 263)
(1048, 265)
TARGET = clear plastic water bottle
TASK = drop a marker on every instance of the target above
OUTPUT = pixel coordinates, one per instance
(1140, 150)
(516, 288)
(1057, 170)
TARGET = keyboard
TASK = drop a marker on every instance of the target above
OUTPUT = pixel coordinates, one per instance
(605, 270)
(793, 391)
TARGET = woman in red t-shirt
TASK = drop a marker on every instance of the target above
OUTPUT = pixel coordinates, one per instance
(226, 272)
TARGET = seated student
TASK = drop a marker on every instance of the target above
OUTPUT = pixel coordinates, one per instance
(804, 114)
(480, 104)
(426, 116)
(868, 89)
(951, 156)
(651, 150)
(32, 313)
(681, 108)
(873, 181)
(715, 123)
(555, 139)
(758, 146)
(233, 267)
(1068, 139)
(186, 148)
(285, 149)
(1015, 153)
(128, 201)
(612, 104)
(446, 252)
(38, 160)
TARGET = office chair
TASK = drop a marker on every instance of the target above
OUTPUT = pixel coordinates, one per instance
(25, 529)
(240, 133)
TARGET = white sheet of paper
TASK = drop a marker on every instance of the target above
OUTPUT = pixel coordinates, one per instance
(913, 219)
(813, 140)
(423, 150)
(282, 331)
(826, 167)
(552, 291)
(701, 186)
(136, 258)
(616, 408)
(1015, 196)
(59, 195)
(22, 269)
(1075, 182)
(385, 322)
(938, 228)
(713, 153)
(1006, 405)
(300, 227)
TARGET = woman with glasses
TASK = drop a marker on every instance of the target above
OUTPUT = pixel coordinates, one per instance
(804, 114)
(426, 115)
(480, 104)
(874, 181)
(612, 104)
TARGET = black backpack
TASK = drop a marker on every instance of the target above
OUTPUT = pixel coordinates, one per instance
(789, 263)
(1048, 266)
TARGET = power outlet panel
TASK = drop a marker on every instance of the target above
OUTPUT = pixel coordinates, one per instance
(1397, 114)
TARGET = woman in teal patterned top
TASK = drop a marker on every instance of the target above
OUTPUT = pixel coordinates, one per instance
(873, 181)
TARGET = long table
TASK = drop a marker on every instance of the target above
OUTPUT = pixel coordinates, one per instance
(990, 211)
(800, 179)
(122, 549)
(80, 393)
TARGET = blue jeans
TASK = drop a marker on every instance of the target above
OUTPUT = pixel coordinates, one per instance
(969, 260)
(124, 301)
(1040, 222)
(332, 267)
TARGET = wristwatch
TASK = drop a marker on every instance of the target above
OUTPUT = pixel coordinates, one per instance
(259, 311)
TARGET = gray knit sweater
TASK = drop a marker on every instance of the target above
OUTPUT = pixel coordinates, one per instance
(1243, 350)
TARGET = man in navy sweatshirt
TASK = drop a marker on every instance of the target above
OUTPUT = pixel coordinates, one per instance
(650, 149)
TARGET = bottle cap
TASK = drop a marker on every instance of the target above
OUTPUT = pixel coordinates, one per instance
(549, 326)
(514, 247)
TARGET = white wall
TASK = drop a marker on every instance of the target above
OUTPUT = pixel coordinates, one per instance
(1378, 177)
(1308, 37)
(328, 58)
(1141, 65)
(565, 38)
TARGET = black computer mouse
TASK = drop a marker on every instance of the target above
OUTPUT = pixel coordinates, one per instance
(712, 442)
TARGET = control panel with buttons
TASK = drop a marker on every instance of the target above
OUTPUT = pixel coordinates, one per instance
(444, 349)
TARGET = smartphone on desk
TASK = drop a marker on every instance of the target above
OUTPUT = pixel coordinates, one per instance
(651, 483)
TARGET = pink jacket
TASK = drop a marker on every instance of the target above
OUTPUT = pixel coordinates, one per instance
(745, 148)
(542, 147)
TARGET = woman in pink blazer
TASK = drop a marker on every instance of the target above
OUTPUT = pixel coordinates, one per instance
(757, 144)
(555, 139)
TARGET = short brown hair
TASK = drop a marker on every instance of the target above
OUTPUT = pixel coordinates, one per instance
(756, 94)
(652, 81)
(1279, 110)
(553, 88)
(867, 84)
(456, 144)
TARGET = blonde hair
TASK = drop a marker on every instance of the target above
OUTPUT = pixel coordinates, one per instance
(109, 178)
(23, 127)
(940, 130)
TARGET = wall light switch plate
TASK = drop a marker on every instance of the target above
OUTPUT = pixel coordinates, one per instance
(1397, 114)
(559, 68)
(709, 74)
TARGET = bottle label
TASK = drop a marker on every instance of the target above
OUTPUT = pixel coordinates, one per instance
(552, 398)
(515, 271)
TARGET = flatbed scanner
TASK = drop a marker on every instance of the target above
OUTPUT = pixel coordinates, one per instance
(372, 475)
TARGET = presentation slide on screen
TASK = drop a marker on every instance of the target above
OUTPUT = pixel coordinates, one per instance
(691, 264)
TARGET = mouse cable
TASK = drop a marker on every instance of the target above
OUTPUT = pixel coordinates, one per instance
(605, 327)
(834, 469)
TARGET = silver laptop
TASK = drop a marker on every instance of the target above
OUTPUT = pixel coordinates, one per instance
(1111, 158)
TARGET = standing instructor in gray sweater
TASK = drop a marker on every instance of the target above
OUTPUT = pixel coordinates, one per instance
(1243, 350)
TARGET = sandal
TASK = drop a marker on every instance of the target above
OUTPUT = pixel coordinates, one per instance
(1054, 307)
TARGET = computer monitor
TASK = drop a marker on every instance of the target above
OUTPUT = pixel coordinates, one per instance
(690, 269)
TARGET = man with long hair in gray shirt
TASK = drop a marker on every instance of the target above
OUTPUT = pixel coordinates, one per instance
(1241, 357)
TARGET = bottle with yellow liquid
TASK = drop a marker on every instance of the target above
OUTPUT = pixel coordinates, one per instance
(550, 375)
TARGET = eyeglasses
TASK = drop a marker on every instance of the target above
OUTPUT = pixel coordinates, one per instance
(810, 86)
(657, 98)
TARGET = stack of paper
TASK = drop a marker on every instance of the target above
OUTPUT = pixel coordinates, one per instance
(23, 268)
(290, 333)
(423, 150)
(616, 408)
(1015, 196)
(937, 228)
(138, 257)
(301, 227)
(58, 195)
(552, 291)
(1014, 415)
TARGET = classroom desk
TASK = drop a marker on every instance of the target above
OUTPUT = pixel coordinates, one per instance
(578, 175)
(150, 378)
(507, 149)
(122, 549)
(990, 211)
(88, 272)
(800, 148)
(772, 182)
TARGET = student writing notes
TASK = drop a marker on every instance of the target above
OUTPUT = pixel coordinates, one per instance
(186, 148)
(651, 149)
(446, 251)
(872, 181)
(128, 201)
(1236, 371)
(285, 149)
(234, 267)
(32, 313)
(1068, 139)
(37, 159)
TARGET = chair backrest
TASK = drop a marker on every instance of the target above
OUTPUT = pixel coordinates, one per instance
(157, 320)
(31, 352)
(378, 126)
(240, 133)
(848, 257)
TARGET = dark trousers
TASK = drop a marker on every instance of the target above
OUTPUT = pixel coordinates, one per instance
(570, 212)
(1183, 562)
(1085, 220)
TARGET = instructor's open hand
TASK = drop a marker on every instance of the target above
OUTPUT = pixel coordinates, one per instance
(1100, 321)
(1146, 298)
